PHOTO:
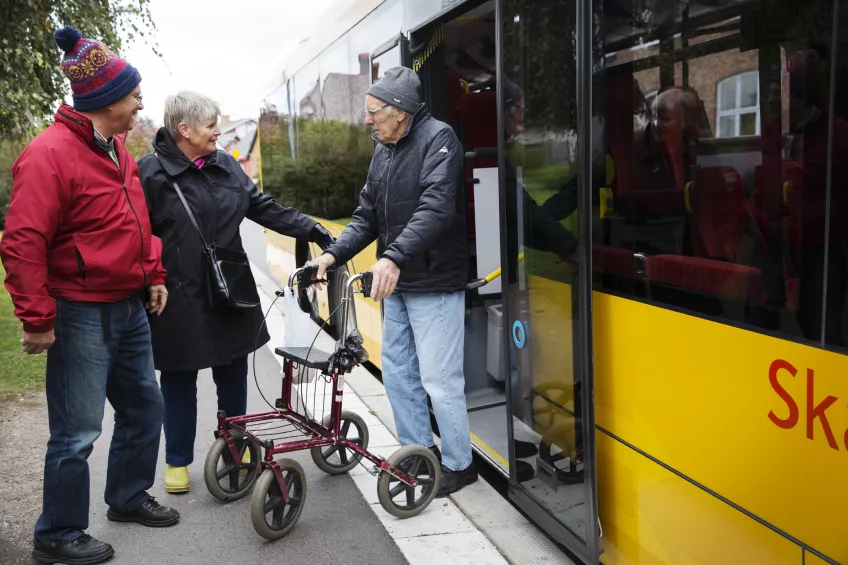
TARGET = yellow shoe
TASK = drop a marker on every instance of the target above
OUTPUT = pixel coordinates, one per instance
(245, 459)
(176, 479)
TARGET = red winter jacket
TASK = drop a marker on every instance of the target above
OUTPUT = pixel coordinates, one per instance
(77, 227)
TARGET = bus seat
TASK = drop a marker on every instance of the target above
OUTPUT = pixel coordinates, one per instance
(621, 107)
(793, 293)
(478, 115)
(613, 260)
(790, 220)
(720, 214)
(453, 94)
(707, 276)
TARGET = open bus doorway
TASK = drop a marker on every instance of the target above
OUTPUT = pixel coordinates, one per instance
(523, 397)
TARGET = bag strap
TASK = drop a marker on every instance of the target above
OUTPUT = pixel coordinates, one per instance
(188, 210)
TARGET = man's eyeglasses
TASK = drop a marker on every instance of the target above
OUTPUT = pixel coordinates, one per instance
(137, 97)
(373, 111)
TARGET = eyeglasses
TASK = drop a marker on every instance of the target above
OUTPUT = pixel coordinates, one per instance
(137, 97)
(373, 111)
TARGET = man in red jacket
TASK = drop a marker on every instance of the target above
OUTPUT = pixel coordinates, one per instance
(79, 255)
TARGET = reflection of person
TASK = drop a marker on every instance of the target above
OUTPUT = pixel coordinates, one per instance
(544, 230)
(79, 253)
(808, 120)
(412, 204)
(191, 335)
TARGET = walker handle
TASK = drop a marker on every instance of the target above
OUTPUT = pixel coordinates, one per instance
(301, 273)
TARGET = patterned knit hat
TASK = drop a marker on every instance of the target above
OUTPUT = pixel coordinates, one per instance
(98, 76)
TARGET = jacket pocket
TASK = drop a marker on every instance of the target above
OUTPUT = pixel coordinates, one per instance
(80, 263)
(110, 260)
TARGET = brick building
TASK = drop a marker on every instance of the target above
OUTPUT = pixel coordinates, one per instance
(726, 82)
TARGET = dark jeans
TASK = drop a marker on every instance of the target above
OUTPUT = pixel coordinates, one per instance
(101, 351)
(179, 389)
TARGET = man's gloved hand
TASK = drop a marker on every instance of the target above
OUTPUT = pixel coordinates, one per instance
(322, 237)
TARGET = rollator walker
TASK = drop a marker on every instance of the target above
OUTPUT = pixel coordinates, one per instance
(309, 416)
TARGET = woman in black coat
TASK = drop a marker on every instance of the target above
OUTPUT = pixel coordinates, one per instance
(190, 335)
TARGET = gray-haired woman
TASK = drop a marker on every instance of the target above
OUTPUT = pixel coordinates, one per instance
(190, 335)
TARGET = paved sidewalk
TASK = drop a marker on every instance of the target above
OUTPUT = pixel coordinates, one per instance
(476, 525)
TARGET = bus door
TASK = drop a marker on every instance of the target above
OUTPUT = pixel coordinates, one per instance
(545, 160)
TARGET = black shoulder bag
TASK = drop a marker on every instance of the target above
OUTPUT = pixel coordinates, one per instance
(229, 282)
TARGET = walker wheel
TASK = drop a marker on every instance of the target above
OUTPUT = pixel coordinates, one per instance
(400, 500)
(272, 516)
(225, 480)
(337, 460)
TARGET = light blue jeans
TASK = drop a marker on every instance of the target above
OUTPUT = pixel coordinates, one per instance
(423, 346)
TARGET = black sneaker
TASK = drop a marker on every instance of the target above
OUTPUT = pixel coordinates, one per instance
(405, 466)
(452, 481)
(151, 514)
(85, 550)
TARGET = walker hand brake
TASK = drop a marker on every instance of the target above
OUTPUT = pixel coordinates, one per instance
(367, 279)
(304, 276)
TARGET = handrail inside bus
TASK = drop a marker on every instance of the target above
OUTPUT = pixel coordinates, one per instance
(481, 282)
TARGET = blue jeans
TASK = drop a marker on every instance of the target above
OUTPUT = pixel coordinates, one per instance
(101, 351)
(179, 389)
(423, 346)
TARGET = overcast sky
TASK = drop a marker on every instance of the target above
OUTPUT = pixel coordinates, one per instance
(231, 50)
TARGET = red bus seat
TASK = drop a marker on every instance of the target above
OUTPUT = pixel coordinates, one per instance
(707, 276)
(613, 260)
(720, 215)
(478, 115)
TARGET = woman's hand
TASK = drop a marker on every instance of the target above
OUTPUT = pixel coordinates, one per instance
(157, 299)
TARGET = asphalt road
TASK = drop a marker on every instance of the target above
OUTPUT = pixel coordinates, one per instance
(336, 526)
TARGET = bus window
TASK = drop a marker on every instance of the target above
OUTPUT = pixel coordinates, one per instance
(836, 249)
(381, 25)
(276, 132)
(384, 62)
(345, 148)
(712, 199)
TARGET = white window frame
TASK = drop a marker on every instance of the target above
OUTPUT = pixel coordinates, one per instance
(737, 111)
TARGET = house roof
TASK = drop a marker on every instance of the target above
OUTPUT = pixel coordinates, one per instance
(229, 126)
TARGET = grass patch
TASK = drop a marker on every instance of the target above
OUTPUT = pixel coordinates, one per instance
(18, 371)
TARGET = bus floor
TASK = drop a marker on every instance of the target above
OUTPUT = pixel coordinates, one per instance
(565, 500)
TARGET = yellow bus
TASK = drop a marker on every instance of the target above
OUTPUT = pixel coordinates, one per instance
(659, 370)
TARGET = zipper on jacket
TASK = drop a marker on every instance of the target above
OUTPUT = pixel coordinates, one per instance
(386, 197)
(122, 173)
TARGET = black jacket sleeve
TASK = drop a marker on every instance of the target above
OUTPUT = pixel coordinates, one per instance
(547, 233)
(359, 234)
(436, 212)
(266, 212)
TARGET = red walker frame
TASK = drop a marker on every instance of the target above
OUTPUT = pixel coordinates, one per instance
(299, 431)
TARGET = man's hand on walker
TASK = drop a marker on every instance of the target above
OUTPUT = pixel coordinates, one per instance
(323, 263)
(386, 275)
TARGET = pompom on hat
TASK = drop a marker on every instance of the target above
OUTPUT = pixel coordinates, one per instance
(98, 76)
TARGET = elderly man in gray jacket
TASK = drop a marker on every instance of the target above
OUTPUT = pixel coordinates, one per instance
(413, 205)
